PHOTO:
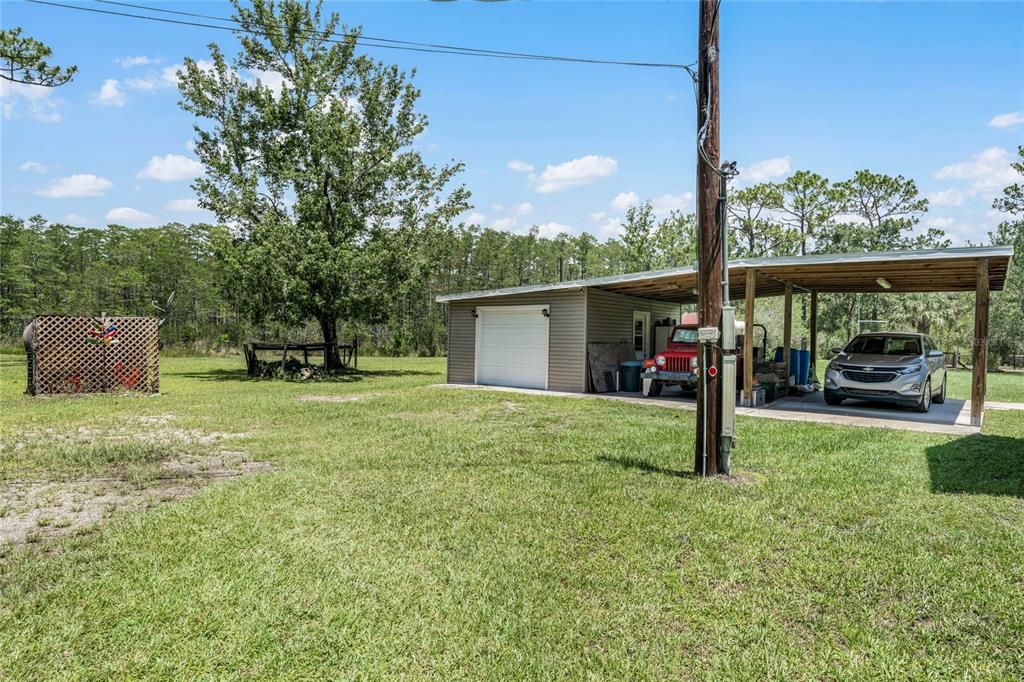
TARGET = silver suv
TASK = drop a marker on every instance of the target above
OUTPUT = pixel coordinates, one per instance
(907, 369)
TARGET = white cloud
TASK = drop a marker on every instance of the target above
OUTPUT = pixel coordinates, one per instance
(79, 185)
(550, 230)
(129, 62)
(33, 167)
(940, 223)
(169, 74)
(990, 170)
(610, 229)
(581, 171)
(1010, 119)
(498, 207)
(503, 223)
(190, 145)
(110, 94)
(525, 208)
(171, 168)
(126, 215)
(519, 166)
(145, 84)
(34, 101)
(624, 200)
(760, 171)
(598, 216)
(475, 218)
(184, 205)
(666, 203)
(77, 220)
(851, 219)
(272, 79)
(662, 205)
(947, 197)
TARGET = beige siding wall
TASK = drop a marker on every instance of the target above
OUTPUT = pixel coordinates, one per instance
(577, 318)
(610, 317)
(567, 328)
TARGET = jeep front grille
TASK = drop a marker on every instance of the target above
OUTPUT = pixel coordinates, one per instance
(674, 364)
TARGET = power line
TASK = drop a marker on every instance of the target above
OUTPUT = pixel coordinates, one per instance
(474, 50)
(383, 43)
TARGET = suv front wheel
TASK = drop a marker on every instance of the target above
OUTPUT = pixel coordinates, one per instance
(925, 403)
(941, 397)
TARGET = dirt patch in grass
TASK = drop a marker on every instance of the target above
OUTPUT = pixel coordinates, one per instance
(66, 482)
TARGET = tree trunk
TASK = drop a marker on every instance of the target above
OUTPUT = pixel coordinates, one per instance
(329, 330)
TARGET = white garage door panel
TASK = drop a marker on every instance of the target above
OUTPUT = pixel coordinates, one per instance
(512, 346)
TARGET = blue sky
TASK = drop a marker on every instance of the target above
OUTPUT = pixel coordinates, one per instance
(933, 91)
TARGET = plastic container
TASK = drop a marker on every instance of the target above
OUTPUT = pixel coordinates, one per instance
(804, 364)
(794, 362)
(629, 376)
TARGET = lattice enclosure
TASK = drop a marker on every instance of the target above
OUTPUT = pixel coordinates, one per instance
(93, 355)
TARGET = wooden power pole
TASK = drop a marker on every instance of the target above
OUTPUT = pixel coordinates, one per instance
(709, 236)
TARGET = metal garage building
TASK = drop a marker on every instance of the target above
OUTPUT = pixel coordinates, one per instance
(537, 336)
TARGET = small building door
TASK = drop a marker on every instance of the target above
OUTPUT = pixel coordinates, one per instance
(642, 334)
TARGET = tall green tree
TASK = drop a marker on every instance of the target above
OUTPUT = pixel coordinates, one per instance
(755, 231)
(1008, 304)
(807, 204)
(1012, 201)
(308, 152)
(675, 241)
(638, 236)
(23, 60)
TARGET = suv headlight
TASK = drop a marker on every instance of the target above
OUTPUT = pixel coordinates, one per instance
(835, 367)
(660, 361)
(911, 370)
(693, 362)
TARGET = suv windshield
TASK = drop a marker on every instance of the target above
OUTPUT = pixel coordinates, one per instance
(879, 344)
(684, 336)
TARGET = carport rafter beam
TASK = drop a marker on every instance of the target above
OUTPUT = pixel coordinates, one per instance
(787, 283)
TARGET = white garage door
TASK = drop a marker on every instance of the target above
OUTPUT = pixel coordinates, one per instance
(512, 346)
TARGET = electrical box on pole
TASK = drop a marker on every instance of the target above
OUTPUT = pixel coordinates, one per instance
(728, 328)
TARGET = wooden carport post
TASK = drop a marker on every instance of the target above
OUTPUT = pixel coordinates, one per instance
(979, 360)
(813, 323)
(787, 334)
(748, 338)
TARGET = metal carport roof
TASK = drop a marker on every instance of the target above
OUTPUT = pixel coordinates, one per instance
(933, 270)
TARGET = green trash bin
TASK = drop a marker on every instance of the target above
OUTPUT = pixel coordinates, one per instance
(629, 376)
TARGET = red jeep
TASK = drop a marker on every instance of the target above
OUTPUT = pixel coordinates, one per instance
(677, 364)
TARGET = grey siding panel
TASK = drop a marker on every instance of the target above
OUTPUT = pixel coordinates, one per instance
(610, 317)
(566, 357)
(461, 342)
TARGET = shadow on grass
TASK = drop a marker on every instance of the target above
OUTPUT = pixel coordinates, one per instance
(978, 465)
(345, 377)
(643, 466)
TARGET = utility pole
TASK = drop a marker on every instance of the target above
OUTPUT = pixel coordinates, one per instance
(709, 240)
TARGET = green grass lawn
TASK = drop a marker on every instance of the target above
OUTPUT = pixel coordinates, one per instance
(425, 532)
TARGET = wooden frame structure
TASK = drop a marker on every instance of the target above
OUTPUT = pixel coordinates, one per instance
(347, 353)
(72, 355)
